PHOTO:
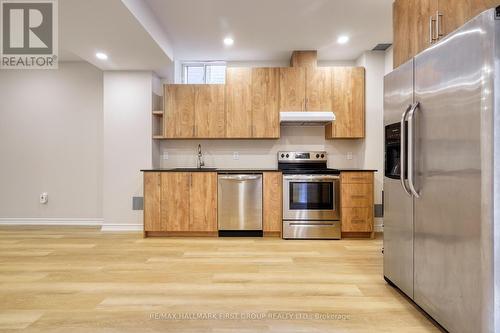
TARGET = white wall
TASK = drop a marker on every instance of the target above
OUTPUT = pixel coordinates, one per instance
(389, 53)
(260, 153)
(373, 145)
(51, 141)
(127, 145)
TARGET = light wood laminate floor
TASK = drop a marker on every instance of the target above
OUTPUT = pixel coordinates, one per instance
(55, 279)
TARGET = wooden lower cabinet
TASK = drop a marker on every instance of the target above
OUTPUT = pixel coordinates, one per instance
(203, 201)
(180, 202)
(152, 195)
(272, 203)
(356, 204)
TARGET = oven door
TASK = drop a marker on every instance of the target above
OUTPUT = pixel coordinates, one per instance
(314, 197)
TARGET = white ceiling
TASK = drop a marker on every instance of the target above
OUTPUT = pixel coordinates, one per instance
(149, 34)
(266, 30)
(90, 26)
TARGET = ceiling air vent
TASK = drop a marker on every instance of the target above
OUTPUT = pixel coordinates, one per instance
(381, 47)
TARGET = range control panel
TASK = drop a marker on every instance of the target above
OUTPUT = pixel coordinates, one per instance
(303, 156)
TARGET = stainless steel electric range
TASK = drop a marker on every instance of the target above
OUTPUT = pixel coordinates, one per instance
(311, 196)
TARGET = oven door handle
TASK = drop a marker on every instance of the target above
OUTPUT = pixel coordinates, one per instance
(311, 223)
(314, 178)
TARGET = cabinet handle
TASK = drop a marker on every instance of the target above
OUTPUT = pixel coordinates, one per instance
(159, 179)
(358, 196)
(358, 221)
(431, 30)
(358, 178)
(439, 34)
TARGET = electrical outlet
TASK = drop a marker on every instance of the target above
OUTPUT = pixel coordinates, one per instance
(349, 155)
(236, 155)
(44, 198)
(165, 155)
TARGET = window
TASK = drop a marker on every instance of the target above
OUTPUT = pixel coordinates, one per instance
(204, 73)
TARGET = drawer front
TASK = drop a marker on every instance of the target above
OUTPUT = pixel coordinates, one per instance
(357, 177)
(357, 219)
(357, 195)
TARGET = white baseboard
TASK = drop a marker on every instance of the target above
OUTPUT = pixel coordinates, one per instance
(116, 227)
(62, 221)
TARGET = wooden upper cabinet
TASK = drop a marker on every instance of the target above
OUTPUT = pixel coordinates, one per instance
(265, 103)
(413, 27)
(454, 13)
(175, 203)
(348, 93)
(203, 202)
(292, 88)
(419, 23)
(179, 111)
(238, 103)
(152, 196)
(319, 89)
(209, 111)
(306, 59)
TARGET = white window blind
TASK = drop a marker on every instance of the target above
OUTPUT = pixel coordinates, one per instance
(204, 73)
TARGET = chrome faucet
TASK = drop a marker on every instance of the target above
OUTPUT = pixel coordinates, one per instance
(201, 163)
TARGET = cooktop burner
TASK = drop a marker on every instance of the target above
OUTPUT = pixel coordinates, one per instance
(304, 163)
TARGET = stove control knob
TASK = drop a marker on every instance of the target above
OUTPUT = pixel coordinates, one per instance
(287, 155)
(317, 155)
(322, 155)
(282, 155)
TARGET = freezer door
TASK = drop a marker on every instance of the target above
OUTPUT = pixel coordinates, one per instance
(453, 84)
(398, 205)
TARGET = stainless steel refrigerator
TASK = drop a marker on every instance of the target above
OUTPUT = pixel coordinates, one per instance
(442, 178)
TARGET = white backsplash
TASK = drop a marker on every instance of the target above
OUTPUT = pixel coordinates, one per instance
(261, 153)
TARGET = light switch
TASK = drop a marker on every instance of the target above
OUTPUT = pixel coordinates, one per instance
(236, 155)
(349, 155)
(165, 155)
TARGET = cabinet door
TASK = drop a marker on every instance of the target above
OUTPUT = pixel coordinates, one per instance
(238, 103)
(348, 95)
(209, 111)
(203, 198)
(478, 6)
(319, 89)
(357, 219)
(175, 197)
(265, 103)
(412, 28)
(152, 195)
(455, 13)
(292, 89)
(179, 111)
(272, 201)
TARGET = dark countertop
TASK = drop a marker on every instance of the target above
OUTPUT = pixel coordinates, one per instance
(237, 170)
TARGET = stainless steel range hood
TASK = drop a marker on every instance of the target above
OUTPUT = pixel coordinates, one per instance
(316, 118)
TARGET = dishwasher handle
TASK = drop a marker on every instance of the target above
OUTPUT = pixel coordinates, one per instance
(240, 177)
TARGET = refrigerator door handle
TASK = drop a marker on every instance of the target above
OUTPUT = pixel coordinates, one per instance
(411, 149)
(403, 150)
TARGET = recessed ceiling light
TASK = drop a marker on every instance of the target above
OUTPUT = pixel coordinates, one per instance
(102, 56)
(228, 41)
(342, 39)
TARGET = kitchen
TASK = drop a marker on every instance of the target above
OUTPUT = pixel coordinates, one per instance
(207, 173)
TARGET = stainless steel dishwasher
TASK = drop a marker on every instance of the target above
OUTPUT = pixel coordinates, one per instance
(239, 205)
